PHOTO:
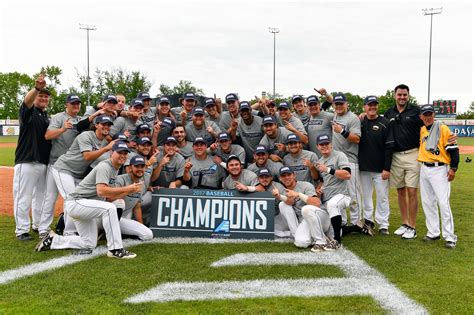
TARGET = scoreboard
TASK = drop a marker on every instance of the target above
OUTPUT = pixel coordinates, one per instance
(445, 109)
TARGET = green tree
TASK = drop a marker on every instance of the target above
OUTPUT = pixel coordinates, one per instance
(388, 100)
(469, 114)
(13, 88)
(182, 87)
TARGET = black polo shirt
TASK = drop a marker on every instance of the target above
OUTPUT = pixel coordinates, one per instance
(405, 127)
(32, 146)
(376, 145)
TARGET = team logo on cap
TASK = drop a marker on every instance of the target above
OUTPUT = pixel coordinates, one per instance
(268, 119)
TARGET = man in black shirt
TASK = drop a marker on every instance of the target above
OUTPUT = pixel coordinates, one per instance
(375, 158)
(405, 171)
(31, 158)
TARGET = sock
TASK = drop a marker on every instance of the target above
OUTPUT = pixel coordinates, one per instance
(336, 225)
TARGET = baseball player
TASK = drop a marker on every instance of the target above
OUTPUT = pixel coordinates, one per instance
(249, 129)
(439, 162)
(185, 148)
(199, 127)
(375, 158)
(319, 122)
(87, 204)
(262, 161)
(301, 110)
(62, 131)
(133, 201)
(274, 138)
(200, 171)
(169, 168)
(345, 138)
(165, 122)
(31, 159)
(300, 161)
(230, 118)
(211, 110)
(183, 114)
(225, 148)
(290, 122)
(108, 107)
(128, 125)
(239, 178)
(149, 113)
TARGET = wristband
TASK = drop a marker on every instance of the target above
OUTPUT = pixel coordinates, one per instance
(331, 171)
(328, 171)
(303, 197)
(251, 188)
(283, 198)
(345, 133)
(37, 89)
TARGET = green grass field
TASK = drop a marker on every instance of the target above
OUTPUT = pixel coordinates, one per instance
(439, 279)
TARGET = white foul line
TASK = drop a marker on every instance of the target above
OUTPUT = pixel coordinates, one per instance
(360, 279)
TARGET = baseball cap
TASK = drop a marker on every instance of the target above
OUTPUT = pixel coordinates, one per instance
(120, 146)
(199, 140)
(142, 127)
(209, 102)
(264, 172)
(171, 139)
(285, 169)
(110, 98)
(223, 136)
(244, 105)
(44, 91)
(269, 120)
(137, 102)
(232, 157)
(312, 99)
(292, 138)
(143, 140)
(339, 98)
(427, 109)
(261, 149)
(137, 160)
(231, 97)
(198, 111)
(284, 105)
(324, 138)
(168, 122)
(103, 119)
(120, 136)
(296, 98)
(73, 98)
(144, 96)
(189, 96)
(164, 100)
(371, 99)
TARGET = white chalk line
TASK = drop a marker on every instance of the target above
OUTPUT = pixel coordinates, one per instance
(361, 280)
(59, 262)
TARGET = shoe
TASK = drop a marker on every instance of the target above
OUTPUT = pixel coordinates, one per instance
(366, 227)
(45, 243)
(384, 232)
(42, 235)
(409, 234)
(60, 225)
(332, 246)
(430, 239)
(24, 237)
(318, 248)
(450, 245)
(401, 230)
(34, 229)
(121, 253)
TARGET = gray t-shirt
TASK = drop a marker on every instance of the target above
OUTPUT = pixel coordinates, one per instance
(303, 117)
(104, 173)
(273, 167)
(235, 149)
(72, 162)
(333, 185)
(211, 175)
(282, 133)
(247, 177)
(296, 122)
(215, 120)
(307, 189)
(122, 124)
(350, 122)
(317, 125)
(250, 135)
(171, 171)
(149, 117)
(131, 200)
(296, 163)
(61, 144)
(192, 132)
(226, 120)
(177, 114)
(186, 151)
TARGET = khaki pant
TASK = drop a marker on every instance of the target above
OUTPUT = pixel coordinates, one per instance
(405, 171)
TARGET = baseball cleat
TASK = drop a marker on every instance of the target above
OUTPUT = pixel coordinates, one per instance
(318, 248)
(121, 253)
(401, 230)
(384, 232)
(366, 227)
(409, 234)
(45, 243)
(450, 245)
(332, 246)
(430, 239)
(24, 237)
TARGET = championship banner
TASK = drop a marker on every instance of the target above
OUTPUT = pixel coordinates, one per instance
(212, 214)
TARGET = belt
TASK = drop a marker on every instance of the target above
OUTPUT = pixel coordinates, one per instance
(433, 164)
(407, 151)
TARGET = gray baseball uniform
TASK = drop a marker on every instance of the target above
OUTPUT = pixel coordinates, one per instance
(235, 149)
(205, 173)
(104, 173)
(350, 122)
(273, 167)
(192, 132)
(171, 171)
(268, 142)
(333, 185)
(122, 124)
(296, 164)
(226, 120)
(61, 144)
(149, 117)
(247, 177)
(186, 151)
(317, 125)
(250, 135)
(294, 121)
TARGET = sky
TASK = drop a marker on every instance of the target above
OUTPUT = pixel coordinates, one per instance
(362, 47)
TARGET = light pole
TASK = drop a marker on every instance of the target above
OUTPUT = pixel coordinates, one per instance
(88, 28)
(274, 30)
(431, 12)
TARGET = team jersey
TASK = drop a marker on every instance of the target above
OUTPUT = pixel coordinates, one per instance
(304, 188)
(273, 167)
(304, 118)
(192, 132)
(318, 125)
(350, 122)
(148, 117)
(171, 171)
(226, 120)
(250, 135)
(205, 173)
(296, 164)
(235, 149)
(376, 145)
(333, 185)
(132, 199)
(186, 151)
(72, 162)
(104, 173)
(61, 144)
(440, 154)
(246, 177)
(294, 121)
(177, 114)
(122, 124)
(268, 142)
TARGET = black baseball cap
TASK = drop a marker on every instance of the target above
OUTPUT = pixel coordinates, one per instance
(199, 140)
(137, 102)
(339, 98)
(120, 146)
(264, 172)
(371, 99)
(232, 157)
(198, 111)
(261, 149)
(223, 136)
(168, 122)
(209, 102)
(73, 98)
(285, 169)
(231, 97)
(296, 98)
(164, 100)
(144, 140)
(144, 96)
(428, 108)
(189, 96)
(120, 136)
(137, 160)
(244, 105)
(292, 138)
(268, 120)
(324, 138)
(171, 139)
(142, 127)
(103, 119)
(284, 105)
(110, 98)
(312, 99)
